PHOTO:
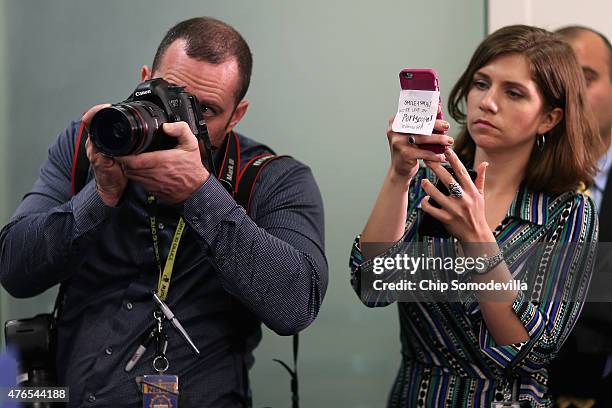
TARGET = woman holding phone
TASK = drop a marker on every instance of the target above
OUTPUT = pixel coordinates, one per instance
(526, 132)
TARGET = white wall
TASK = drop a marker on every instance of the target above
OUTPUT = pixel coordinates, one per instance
(551, 14)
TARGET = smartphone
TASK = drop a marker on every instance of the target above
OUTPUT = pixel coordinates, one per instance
(423, 80)
(429, 225)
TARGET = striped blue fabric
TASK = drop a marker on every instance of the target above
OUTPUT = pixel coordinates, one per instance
(449, 358)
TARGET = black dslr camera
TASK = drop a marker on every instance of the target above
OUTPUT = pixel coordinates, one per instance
(35, 342)
(135, 125)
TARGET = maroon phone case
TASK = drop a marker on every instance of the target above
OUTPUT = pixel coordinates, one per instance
(425, 79)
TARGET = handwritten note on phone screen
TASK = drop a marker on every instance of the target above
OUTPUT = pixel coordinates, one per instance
(416, 112)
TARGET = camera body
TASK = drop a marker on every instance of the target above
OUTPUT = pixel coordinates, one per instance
(34, 340)
(135, 125)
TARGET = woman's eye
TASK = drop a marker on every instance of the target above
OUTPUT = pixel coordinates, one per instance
(480, 84)
(515, 94)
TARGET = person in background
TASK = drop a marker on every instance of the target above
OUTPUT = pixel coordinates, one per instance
(582, 373)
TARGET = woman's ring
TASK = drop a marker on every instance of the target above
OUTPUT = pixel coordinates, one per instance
(455, 189)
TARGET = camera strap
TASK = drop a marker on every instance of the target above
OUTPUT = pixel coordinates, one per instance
(239, 180)
(80, 162)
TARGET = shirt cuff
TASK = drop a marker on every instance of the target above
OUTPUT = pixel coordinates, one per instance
(88, 209)
(356, 255)
(208, 206)
(529, 315)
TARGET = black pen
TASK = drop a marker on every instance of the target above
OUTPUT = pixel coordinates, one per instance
(142, 347)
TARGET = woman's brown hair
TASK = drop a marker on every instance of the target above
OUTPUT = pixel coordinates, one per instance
(569, 156)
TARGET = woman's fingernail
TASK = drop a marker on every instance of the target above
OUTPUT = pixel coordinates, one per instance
(451, 140)
(448, 152)
(445, 125)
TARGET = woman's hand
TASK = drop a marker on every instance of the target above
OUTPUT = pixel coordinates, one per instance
(464, 217)
(388, 217)
(405, 151)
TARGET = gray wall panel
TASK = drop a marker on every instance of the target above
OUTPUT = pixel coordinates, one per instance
(324, 84)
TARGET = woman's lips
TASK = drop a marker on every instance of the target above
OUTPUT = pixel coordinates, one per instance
(484, 123)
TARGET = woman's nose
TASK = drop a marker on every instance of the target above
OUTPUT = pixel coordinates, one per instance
(488, 102)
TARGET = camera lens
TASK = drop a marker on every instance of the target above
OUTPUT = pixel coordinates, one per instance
(114, 130)
(128, 128)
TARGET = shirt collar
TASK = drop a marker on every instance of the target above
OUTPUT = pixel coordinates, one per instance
(604, 165)
(530, 206)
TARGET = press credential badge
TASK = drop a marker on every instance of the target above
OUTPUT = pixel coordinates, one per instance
(416, 112)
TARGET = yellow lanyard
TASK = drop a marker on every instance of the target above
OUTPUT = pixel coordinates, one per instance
(163, 282)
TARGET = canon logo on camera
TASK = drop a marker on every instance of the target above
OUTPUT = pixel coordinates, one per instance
(148, 91)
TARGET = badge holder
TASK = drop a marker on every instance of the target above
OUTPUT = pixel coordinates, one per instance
(159, 390)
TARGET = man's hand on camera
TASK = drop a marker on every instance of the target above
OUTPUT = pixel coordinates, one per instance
(171, 175)
(110, 179)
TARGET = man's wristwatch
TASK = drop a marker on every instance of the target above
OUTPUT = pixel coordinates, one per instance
(487, 263)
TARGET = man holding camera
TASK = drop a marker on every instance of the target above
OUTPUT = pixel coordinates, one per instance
(160, 219)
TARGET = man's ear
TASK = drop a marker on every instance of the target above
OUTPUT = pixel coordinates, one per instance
(239, 113)
(145, 73)
(550, 120)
